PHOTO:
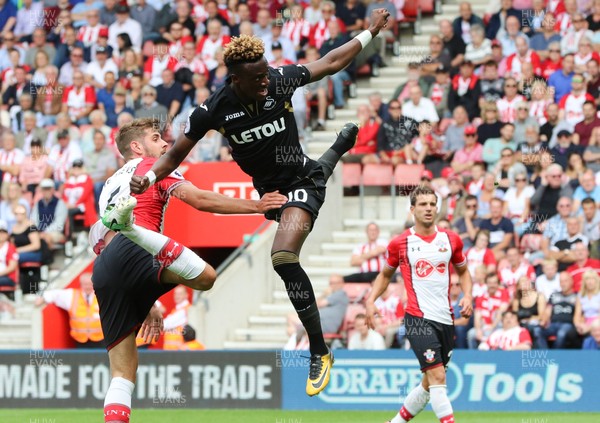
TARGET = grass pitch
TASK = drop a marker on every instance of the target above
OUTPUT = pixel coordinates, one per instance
(277, 416)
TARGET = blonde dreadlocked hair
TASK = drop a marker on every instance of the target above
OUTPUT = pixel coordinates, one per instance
(243, 49)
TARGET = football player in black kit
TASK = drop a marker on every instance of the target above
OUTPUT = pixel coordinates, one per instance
(253, 111)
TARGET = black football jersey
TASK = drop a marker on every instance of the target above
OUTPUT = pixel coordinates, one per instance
(263, 136)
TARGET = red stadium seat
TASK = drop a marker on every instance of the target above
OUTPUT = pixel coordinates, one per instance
(412, 15)
(408, 175)
(427, 7)
(375, 175)
(351, 173)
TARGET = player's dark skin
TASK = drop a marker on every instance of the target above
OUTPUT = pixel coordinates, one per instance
(249, 81)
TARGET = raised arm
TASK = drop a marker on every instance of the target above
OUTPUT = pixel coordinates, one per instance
(165, 165)
(339, 58)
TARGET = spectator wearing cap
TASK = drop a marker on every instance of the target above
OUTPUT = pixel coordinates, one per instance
(62, 155)
(9, 259)
(101, 162)
(493, 147)
(31, 130)
(158, 62)
(564, 148)
(150, 107)
(39, 43)
(453, 43)
(79, 100)
(98, 68)
(75, 63)
(479, 49)
(145, 14)
(49, 98)
(34, 167)
(78, 195)
(278, 58)
(49, 215)
(63, 123)
(119, 106)
(170, 93)
(465, 91)
(497, 23)
(285, 44)
(542, 40)
(125, 24)
(466, 157)
(439, 90)
(108, 13)
(11, 159)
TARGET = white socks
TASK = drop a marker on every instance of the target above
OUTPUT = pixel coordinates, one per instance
(441, 404)
(117, 403)
(172, 255)
(414, 403)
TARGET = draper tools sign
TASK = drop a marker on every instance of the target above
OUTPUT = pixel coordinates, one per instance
(47, 378)
(490, 381)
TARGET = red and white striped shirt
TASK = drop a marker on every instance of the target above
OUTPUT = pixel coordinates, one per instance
(77, 99)
(477, 257)
(424, 263)
(508, 108)
(155, 67)
(196, 66)
(319, 33)
(514, 64)
(61, 159)
(88, 35)
(295, 30)
(573, 106)
(507, 339)
(509, 277)
(376, 263)
(207, 49)
(537, 109)
(563, 24)
(488, 305)
(9, 158)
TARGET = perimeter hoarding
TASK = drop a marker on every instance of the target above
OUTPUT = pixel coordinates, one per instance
(477, 381)
(202, 379)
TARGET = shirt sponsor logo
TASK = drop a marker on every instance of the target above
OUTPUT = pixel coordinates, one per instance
(260, 132)
(234, 116)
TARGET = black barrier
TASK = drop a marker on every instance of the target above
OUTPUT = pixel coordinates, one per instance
(203, 379)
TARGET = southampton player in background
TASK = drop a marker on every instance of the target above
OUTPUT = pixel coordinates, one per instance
(127, 278)
(424, 254)
(253, 111)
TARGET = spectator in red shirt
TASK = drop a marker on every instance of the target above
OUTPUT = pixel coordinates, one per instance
(554, 60)
(583, 130)
(480, 254)
(517, 268)
(366, 140)
(583, 263)
(488, 310)
(78, 194)
(510, 337)
(79, 100)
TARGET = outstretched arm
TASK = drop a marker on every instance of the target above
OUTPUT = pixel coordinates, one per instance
(165, 165)
(339, 58)
(213, 202)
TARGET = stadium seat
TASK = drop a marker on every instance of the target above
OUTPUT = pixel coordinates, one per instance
(375, 175)
(30, 276)
(351, 173)
(412, 15)
(9, 291)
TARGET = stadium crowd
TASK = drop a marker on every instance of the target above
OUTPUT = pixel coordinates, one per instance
(502, 110)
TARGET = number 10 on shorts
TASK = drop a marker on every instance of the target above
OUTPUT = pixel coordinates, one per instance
(298, 195)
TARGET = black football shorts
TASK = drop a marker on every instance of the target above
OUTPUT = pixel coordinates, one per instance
(432, 342)
(127, 283)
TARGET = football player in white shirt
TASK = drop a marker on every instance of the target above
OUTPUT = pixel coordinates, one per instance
(424, 253)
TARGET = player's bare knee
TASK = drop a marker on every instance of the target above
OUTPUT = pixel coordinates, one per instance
(436, 376)
(206, 279)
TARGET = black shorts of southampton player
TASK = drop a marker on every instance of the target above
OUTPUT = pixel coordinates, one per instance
(253, 111)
